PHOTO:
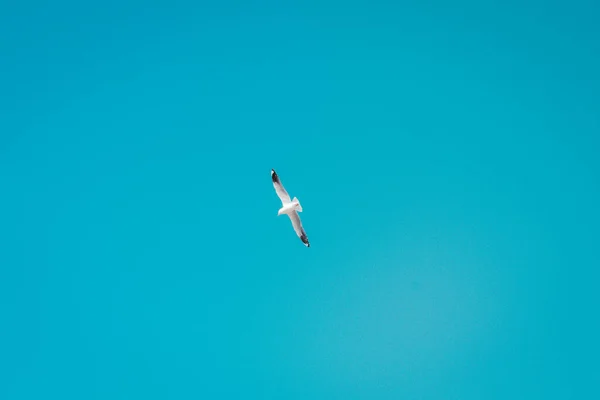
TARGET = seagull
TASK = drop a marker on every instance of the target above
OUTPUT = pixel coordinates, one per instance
(289, 207)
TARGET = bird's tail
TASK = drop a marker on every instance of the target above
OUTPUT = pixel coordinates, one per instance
(298, 206)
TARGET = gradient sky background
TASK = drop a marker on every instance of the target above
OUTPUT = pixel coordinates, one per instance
(446, 156)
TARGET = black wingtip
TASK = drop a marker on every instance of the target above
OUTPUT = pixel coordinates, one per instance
(274, 176)
(304, 239)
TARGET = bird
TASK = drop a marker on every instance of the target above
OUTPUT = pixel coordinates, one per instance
(289, 207)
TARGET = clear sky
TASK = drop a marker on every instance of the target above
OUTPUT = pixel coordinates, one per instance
(446, 155)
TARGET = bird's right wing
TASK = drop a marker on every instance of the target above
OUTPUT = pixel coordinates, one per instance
(298, 228)
(279, 189)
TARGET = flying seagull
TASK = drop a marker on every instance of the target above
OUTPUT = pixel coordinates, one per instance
(289, 207)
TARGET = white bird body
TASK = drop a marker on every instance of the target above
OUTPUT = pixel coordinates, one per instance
(290, 207)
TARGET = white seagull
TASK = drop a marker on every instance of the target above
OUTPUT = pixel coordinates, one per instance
(289, 207)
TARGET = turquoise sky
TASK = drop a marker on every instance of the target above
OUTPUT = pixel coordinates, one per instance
(446, 155)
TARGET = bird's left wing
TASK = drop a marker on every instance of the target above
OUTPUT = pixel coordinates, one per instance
(295, 218)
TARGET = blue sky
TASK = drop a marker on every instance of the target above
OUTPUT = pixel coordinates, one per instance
(446, 157)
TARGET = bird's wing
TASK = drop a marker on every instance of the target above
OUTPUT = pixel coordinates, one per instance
(295, 218)
(283, 195)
